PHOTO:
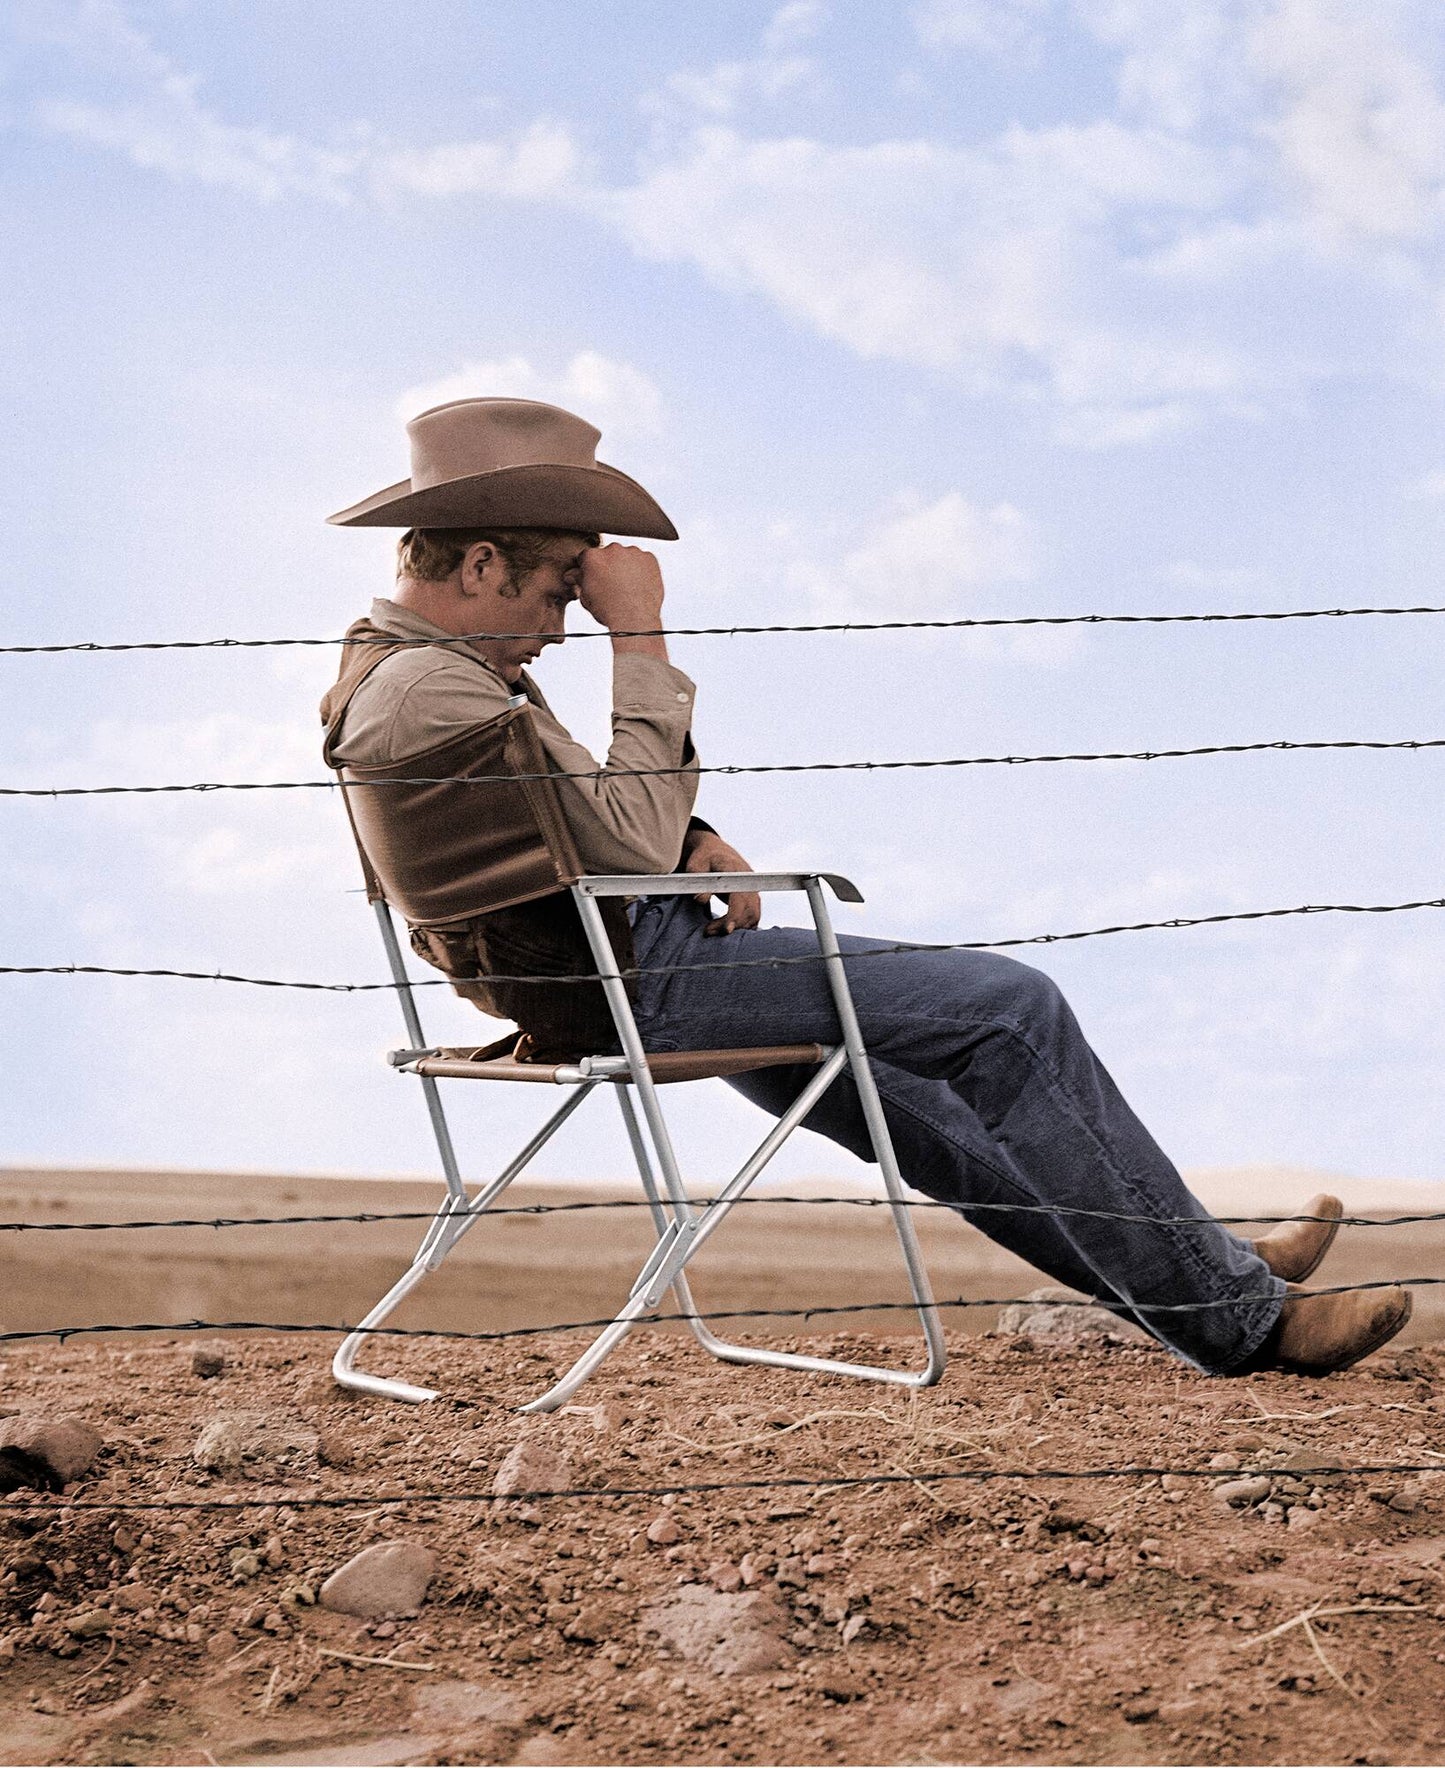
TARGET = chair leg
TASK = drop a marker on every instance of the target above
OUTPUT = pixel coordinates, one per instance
(447, 1226)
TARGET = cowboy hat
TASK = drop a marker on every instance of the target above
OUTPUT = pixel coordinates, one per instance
(508, 463)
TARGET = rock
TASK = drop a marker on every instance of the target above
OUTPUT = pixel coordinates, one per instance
(222, 1645)
(208, 1361)
(790, 1573)
(1063, 1316)
(663, 1531)
(725, 1576)
(228, 1442)
(839, 1685)
(1300, 1517)
(1225, 1461)
(245, 1564)
(389, 1578)
(1405, 1501)
(1239, 1492)
(852, 1627)
(533, 1466)
(130, 1599)
(1140, 1712)
(93, 1623)
(740, 1635)
(47, 1452)
(335, 1449)
(591, 1624)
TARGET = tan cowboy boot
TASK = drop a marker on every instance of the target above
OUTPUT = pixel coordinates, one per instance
(1294, 1250)
(1318, 1334)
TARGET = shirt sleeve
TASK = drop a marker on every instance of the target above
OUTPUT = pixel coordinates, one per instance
(628, 819)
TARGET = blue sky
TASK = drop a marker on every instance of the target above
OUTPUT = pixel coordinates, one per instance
(902, 310)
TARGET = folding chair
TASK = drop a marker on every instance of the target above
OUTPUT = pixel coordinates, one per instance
(683, 1223)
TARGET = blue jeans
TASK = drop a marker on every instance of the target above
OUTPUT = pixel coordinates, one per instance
(992, 1096)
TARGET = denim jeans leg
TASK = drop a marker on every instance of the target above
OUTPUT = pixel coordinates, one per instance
(1016, 1093)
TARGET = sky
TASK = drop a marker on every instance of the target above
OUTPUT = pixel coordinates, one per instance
(902, 310)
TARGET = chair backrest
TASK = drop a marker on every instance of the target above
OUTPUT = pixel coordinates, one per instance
(449, 849)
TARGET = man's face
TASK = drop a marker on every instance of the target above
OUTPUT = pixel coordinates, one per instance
(537, 606)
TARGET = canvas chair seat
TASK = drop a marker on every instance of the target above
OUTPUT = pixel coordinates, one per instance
(663, 1065)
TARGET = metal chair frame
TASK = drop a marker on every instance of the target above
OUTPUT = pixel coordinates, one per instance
(683, 1224)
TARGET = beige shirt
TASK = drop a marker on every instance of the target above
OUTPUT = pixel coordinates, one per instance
(423, 695)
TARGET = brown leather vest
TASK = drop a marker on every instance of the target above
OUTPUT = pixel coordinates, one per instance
(480, 872)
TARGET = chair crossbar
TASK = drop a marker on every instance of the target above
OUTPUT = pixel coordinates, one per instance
(683, 1224)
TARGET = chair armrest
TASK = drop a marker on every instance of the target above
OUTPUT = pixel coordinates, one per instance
(714, 883)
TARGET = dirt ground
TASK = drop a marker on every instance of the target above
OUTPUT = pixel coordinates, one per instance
(1121, 1620)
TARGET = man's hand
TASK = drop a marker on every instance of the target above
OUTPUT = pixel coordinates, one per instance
(707, 852)
(621, 588)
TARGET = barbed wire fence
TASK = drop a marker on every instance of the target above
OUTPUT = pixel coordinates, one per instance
(18, 1502)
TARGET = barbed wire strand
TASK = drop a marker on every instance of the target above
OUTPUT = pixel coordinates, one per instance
(1278, 745)
(365, 1218)
(61, 1504)
(829, 1311)
(736, 631)
(1174, 923)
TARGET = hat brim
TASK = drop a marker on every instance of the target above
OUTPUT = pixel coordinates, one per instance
(580, 499)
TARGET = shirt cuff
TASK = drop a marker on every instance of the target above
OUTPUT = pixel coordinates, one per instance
(647, 684)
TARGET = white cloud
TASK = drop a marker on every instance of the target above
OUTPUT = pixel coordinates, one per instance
(1429, 486)
(619, 398)
(920, 561)
(725, 87)
(1360, 126)
(163, 125)
(993, 27)
(1259, 209)
(794, 23)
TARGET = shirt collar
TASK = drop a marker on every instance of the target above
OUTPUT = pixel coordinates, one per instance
(406, 623)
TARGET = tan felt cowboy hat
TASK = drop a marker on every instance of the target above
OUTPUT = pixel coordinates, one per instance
(509, 463)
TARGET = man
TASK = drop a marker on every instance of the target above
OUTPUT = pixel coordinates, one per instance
(995, 1102)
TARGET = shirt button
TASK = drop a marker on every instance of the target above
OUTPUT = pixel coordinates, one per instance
(682, 697)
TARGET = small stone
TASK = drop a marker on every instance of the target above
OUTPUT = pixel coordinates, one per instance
(1404, 1501)
(132, 1598)
(389, 1578)
(274, 1622)
(1239, 1492)
(94, 1623)
(839, 1685)
(663, 1531)
(725, 1576)
(335, 1449)
(45, 1452)
(729, 1635)
(1226, 1461)
(123, 1540)
(1141, 1712)
(208, 1362)
(532, 1466)
(1272, 1512)
(1301, 1517)
(853, 1626)
(753, 1566)
(233, 1439)
(790, 1573)
(590, 1625)
(244, 1564)
(194, 1632)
